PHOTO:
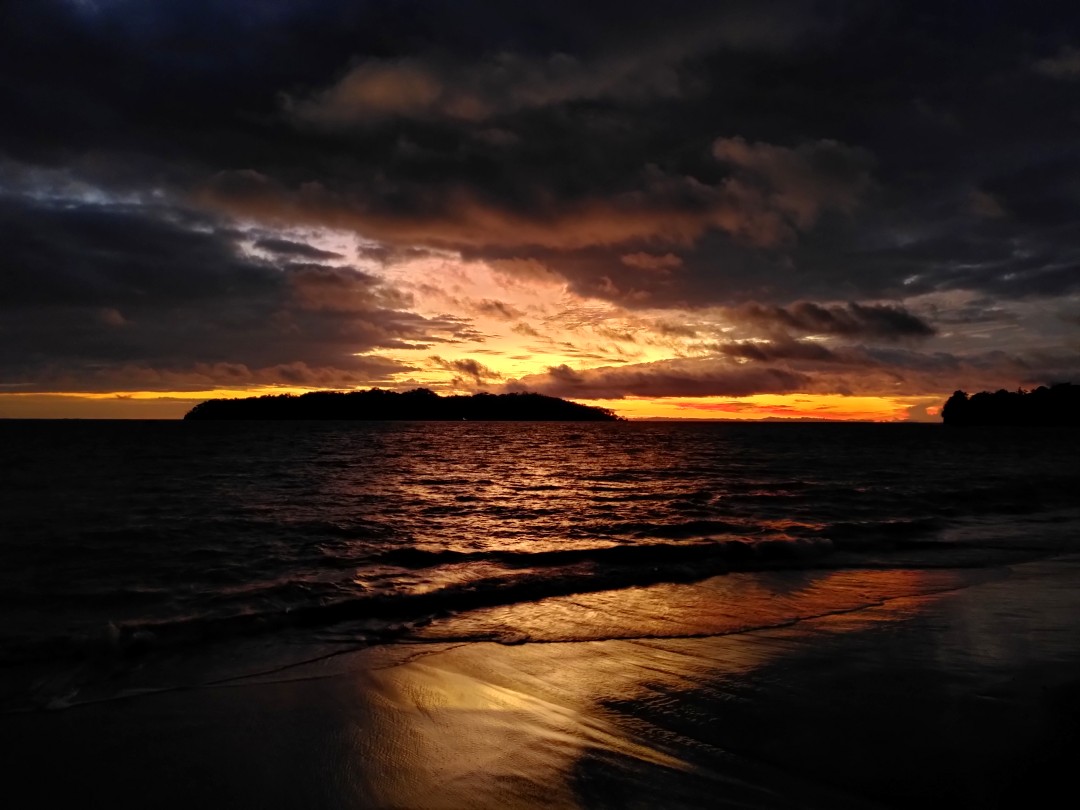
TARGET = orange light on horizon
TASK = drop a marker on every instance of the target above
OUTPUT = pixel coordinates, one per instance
(174, 404)
(831, 407)
(119, 404)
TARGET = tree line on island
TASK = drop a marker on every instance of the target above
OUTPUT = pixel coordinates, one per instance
(420, 404)
(1056, 406)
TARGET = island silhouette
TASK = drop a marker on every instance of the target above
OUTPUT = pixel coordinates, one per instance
(420, 404)
(1056, 406)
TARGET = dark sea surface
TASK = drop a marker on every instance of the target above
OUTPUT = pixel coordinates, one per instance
(134, 535)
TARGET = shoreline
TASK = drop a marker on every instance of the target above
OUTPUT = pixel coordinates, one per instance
(963, 690)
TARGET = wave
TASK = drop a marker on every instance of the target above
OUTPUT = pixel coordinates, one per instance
(524, 576)
(644, 554)
(651, 553)
(672, 530)
(416, 584)
(884, 534)
(456, 481)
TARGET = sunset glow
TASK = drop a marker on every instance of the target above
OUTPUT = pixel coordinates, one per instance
(577, 404)
(646, 218)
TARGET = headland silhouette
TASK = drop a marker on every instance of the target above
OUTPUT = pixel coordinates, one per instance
(1056, 406)
(420, 404)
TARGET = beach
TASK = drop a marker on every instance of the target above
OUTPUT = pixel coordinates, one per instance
(430, 406)
(887, 688)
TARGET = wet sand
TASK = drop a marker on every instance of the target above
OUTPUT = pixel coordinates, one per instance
(890, 688)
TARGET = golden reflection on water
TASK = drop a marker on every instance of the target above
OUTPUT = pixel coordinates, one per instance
(482, 725)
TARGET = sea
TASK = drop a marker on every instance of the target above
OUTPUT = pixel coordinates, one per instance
(122, 539)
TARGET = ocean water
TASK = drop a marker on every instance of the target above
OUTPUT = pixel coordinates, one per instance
(122, 537)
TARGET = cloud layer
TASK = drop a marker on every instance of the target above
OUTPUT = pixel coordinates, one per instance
(758, 197)
(113, 297)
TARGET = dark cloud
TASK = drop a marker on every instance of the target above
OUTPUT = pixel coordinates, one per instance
(635, 65)
(392, 254)
(771, 350)
(650, 261)
(500, 132)
(665, 378)
(300, 250)
(92, 295)
(798, 183)
(652, 206)
(769, 158)
(1064, 65)
(321, 288)
(874, 321)
(377, 90)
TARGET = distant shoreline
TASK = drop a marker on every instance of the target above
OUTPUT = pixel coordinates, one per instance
(420, 404)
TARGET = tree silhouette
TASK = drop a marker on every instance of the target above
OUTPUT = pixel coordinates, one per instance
(1056, 406)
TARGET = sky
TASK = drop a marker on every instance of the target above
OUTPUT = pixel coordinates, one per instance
(738, 210)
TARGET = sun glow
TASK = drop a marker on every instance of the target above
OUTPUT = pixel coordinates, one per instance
(492, 326)
(174, 404)
(830, 407)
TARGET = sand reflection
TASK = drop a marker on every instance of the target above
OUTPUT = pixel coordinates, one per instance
(612, 692)
(468, 729)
